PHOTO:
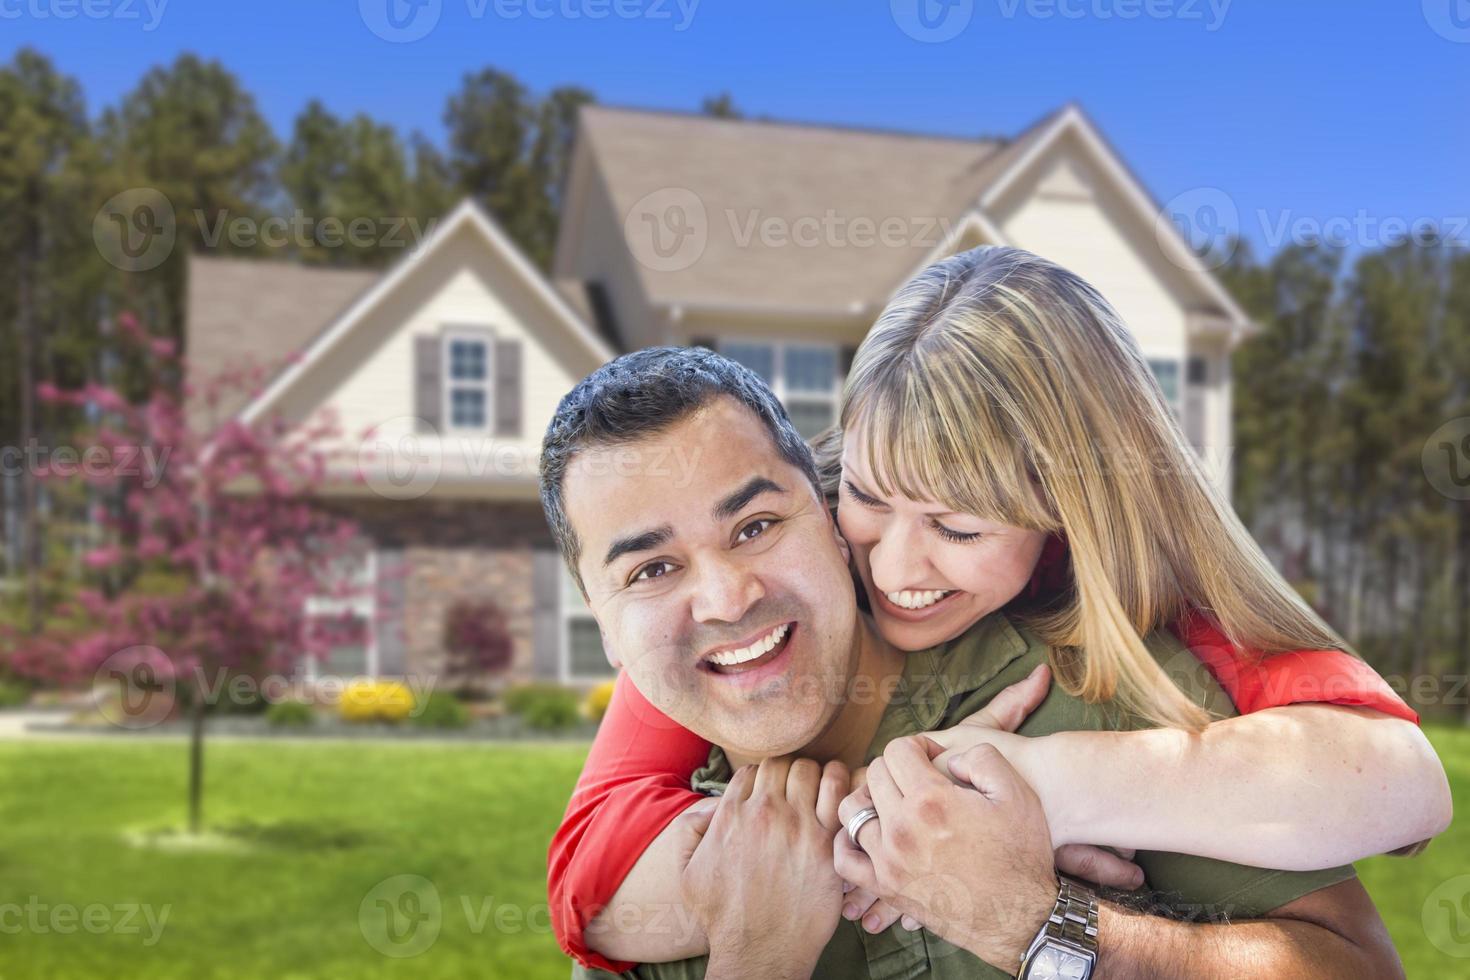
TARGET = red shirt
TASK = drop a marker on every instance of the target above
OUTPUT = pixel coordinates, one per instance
(636, 778)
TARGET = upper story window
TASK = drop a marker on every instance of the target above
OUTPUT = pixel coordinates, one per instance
(804, 376)
(467, 380)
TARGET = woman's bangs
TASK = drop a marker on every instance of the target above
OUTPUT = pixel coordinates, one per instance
(923, 449)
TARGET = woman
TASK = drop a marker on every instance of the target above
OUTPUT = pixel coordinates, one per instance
(1004, 446)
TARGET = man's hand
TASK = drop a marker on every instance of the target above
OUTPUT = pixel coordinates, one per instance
(971, 862)
(761, 880)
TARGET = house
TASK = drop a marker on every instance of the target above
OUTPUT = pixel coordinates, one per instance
(774, 243)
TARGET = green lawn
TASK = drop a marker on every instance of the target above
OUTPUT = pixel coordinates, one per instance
(336, 827)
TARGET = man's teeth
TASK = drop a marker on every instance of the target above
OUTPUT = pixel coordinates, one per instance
(917, 600)
(729, 658)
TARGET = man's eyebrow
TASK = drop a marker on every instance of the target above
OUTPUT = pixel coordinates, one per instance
(643, 541)
(736, 502)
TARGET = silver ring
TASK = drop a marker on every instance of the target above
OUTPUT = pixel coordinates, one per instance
(856, 824)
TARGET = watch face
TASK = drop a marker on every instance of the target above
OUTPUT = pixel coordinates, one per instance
(1055, 963)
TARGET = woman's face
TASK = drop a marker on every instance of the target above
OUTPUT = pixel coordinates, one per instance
(930, 573)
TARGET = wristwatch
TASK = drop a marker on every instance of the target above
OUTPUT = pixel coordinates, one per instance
(1066, 946)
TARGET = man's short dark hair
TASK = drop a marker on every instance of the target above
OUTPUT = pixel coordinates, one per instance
(640, 394)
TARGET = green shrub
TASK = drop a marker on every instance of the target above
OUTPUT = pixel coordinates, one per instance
(441, 710)
(544, 707)
(289, 714)
(13, 694)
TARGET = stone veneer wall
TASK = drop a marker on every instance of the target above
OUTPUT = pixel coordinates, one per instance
(459, 549)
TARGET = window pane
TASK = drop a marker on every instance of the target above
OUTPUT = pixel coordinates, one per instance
(467, 407)
(467, 360)
(1167, 372)
(760, 358)
(811, 416)
(811, 369)
(585, 658)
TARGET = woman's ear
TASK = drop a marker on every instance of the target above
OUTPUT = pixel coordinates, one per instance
(842, 544)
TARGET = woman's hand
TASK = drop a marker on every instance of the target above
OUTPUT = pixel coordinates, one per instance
(972, 861)
(994, 725)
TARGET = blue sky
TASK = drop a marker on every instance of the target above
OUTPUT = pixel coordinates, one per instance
(1297, 110)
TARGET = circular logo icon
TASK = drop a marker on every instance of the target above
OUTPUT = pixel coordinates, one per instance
(1206, 218)
(1447, 917)
(135, 230)
(135, 688)
(401, 916)
(1446, 459)
(1450, 19)
(400, 21)
(402, 459)
(667, 230)
(932, 21)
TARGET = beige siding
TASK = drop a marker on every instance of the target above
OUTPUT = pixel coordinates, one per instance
(368, 378)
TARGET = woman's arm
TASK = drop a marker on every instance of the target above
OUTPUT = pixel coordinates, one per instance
(634, 783)
(1298, 788)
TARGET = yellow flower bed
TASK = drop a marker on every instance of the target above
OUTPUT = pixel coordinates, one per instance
(595, 705)
(376, 701)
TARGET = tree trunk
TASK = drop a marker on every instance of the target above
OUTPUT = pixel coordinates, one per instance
(196, 761)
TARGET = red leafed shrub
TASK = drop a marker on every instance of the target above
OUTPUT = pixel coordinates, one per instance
(477, 639)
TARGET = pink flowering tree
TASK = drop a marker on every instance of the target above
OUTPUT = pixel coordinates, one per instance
(222, 522)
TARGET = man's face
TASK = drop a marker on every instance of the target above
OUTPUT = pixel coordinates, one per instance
(720, 585)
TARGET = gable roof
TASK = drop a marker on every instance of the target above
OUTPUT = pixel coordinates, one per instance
(242, 312)
(312, 340)
(745, 172)
(938, 189)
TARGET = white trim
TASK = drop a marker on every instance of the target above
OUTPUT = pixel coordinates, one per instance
(485, 337)
(362, 606)
(467, 212)
(974, 219)
(1072, 119)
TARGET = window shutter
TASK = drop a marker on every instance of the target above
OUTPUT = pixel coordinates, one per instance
(428, 391)
(507, 387)
(546, 614)
(392, 588)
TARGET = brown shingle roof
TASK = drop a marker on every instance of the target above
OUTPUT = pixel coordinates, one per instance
(745, 172)
(255, 312)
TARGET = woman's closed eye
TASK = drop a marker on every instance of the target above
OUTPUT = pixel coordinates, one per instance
(861, 497)
(950, 534)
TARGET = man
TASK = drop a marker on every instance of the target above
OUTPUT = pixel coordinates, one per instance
(725, 594)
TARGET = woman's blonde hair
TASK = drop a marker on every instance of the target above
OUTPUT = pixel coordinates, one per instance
(1001, 385)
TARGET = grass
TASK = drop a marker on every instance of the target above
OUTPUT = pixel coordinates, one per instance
(309, 839)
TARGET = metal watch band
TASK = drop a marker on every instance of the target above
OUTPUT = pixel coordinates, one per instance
(1071, 926)
(1075, 917)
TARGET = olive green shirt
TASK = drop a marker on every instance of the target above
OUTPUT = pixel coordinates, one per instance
(942, 686)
